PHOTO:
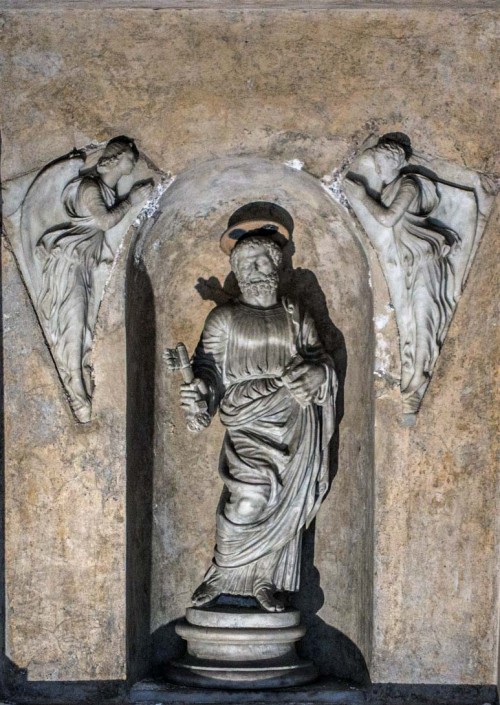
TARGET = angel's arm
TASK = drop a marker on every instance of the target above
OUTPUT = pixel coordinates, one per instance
(387, 216)
(105, 217)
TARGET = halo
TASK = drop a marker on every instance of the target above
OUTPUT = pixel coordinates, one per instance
(257, 219)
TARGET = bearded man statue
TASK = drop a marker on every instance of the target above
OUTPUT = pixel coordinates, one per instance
(260, 363)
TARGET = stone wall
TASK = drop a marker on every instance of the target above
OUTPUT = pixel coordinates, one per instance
(279, 84)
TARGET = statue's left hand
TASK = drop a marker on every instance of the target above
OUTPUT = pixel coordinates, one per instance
(304, 380)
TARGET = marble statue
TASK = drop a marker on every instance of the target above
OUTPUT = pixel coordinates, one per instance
(260, 363)
(71, 227)
(425, 228)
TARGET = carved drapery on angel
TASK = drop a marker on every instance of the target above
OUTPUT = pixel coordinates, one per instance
(72, 222)
(425, 227)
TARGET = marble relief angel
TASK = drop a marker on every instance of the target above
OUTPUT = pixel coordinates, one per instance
(70, 260)
(424, 229)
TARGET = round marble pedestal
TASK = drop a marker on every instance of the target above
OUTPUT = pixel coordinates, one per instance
(239, 648)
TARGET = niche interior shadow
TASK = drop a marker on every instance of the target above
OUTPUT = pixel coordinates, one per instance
(141, 344)
(332, 651)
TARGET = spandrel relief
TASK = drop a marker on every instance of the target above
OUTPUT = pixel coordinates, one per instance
(425, 218)
(65, 226)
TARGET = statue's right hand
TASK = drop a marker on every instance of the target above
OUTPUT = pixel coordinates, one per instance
(193, 396)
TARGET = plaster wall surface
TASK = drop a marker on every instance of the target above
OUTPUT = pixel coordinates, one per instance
(243, 4)
(437, 508)
(190, 85)
(66, 512)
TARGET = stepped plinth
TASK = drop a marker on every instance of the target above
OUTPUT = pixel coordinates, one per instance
(240, 648)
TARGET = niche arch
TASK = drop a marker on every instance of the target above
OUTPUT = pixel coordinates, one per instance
(176, 273)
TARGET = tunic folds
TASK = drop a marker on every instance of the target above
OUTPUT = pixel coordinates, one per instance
(274, 460)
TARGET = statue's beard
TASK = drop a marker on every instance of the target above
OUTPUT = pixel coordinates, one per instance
(267, 284)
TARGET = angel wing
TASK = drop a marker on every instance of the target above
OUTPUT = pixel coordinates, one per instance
(41, 210)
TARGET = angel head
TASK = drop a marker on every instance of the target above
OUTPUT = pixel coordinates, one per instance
(120, 156)
(391, 154)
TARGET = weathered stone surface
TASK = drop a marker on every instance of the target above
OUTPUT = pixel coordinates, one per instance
(153, 75)
(308, 86)
(64, 526)
(436, 508)
(243, 4)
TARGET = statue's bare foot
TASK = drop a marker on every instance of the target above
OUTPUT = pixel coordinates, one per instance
(206, 592)
(265, 595)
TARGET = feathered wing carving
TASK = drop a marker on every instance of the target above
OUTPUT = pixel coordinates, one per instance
(41, 208)
(425, 219)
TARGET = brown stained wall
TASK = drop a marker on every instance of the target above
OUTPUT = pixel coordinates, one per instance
(65, 513)
(190, 85)
(173, 77)
(436, 549)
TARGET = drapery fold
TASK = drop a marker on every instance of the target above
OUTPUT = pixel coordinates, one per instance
(274, 462)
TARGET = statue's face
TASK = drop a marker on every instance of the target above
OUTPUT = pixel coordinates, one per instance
(255, 264)
(255, 270)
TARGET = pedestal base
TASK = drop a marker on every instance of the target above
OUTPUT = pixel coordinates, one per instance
(326, 692)
(240, 649)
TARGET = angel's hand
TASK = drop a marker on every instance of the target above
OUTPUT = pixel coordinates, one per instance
(354, 189)
(140, 192)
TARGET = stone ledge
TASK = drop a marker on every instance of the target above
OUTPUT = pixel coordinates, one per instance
(246, 4)
(326, 691)
(331, 692)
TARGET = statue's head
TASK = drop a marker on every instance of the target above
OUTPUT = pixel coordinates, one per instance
(255, 261)
(119, 155)
(390, 155)
(254, 238)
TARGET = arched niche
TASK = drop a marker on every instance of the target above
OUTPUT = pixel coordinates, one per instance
(175, 274)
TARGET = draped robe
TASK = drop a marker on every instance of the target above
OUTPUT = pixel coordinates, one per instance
(274, 460)
(72, 283)
(427, 283)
